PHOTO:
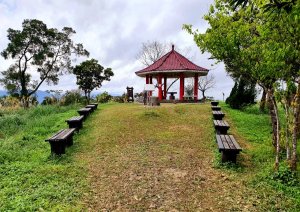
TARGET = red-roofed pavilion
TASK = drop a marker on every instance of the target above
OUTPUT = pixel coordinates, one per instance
(172, 65)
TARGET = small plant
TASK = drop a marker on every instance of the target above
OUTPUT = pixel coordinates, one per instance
(285, 176)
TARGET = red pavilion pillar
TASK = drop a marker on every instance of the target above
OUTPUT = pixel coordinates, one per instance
(181, 89)
(147, 79)
(165, 87)
(159, 82)
(196, 87)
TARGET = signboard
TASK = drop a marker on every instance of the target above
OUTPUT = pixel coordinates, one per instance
(149, 87)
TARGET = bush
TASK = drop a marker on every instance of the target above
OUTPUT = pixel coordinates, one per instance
(72, 97)
(242, 94)
(104, 97)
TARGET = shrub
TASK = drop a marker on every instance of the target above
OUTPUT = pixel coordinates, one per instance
(104, 97)
(72, 97)
(242, 94)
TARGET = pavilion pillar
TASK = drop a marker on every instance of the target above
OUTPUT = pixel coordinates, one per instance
(159, 82)
(196, 87)
(147, 79)
(181, 88)
(165, 87)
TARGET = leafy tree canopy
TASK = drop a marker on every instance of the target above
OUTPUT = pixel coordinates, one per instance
(90, 75)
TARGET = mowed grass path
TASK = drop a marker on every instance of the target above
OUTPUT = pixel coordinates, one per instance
(156, 159)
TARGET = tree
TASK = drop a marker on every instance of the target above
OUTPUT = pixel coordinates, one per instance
(242, 94)
(151, 52)
(205, 83)
(260, 46)
(37, 48)
(90, 75)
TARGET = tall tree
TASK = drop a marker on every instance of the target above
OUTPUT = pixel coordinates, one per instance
(90, 75)
(37, 48)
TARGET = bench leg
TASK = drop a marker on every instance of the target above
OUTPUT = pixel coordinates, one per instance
(228, 157)
(69, 141)
(57, 148)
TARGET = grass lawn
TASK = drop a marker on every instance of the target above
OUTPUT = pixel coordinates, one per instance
(131, 158)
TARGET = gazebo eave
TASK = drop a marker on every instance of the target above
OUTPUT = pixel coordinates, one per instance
(172, 73)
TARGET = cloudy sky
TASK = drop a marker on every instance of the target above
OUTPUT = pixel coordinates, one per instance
(113, 32)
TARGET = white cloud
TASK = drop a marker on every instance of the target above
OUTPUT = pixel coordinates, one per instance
(113, 32)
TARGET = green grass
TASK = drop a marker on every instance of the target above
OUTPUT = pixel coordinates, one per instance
(134, 158)
(30, 179)
(254, 128)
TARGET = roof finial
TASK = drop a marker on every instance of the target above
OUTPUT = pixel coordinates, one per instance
(173, 47)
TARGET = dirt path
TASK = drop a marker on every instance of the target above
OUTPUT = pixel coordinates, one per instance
(156, 159)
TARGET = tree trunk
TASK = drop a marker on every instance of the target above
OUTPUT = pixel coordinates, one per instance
(296, 123)
(276, 128)
(273, 116)
(262, 104)
(203, 94)
(287, 133)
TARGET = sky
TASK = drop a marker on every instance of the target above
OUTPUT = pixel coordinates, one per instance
(113, 32)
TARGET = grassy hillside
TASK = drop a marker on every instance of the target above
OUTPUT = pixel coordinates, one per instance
(129, 157)
(29, 178)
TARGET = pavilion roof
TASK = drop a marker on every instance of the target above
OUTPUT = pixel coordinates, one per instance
(171, 63)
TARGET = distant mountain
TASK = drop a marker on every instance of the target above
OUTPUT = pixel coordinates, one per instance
(39, 94)
(3, 93)
(42, 94)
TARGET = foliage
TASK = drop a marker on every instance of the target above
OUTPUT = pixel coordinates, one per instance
(242, 94)
(37, 48)
(261, 47)
(50, 100)
(90, 75)
(72, 97)
(103, 97)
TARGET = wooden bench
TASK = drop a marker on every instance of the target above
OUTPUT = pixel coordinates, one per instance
(60, 140)
(84, 112)
(228, 147)
(93, 107)
(214, 103)
(216, 108)
(75, 122)
(218, 115)
(96, 104)
(221, 126)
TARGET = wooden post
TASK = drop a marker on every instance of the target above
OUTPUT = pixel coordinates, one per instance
(147, 79)
(165, 87)
(196, 87)
(159, 81)
(181, 89)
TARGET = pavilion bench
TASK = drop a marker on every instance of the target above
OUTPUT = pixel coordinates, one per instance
(228, 147)
(218, 115)
(221, 126)
(84, 112)
(214, 103)
(93, 107)
(60, 140)
(216, 108)
(75, 122)
(96, 104)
